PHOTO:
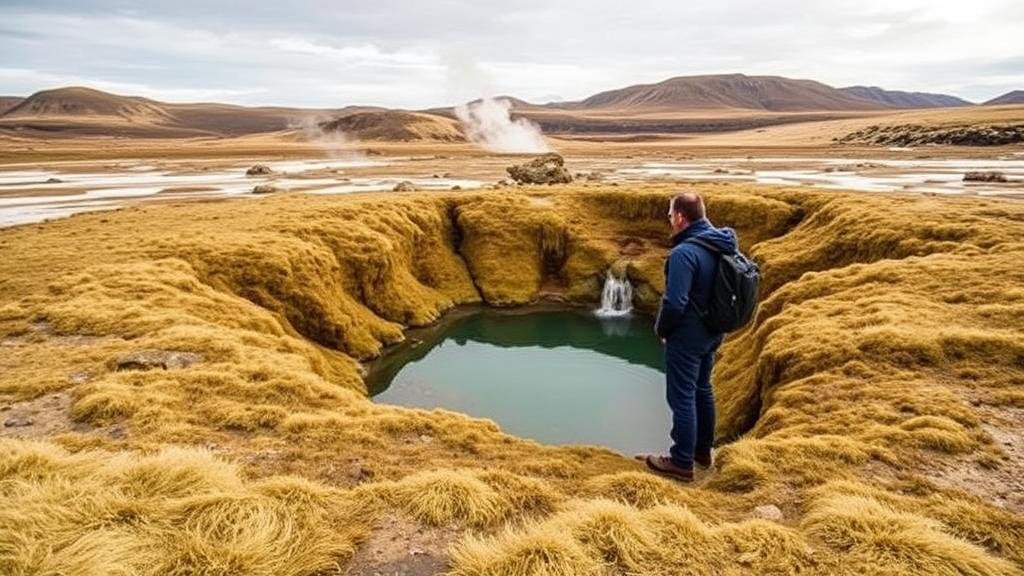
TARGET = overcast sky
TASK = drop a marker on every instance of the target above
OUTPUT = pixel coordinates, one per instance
(419, 54)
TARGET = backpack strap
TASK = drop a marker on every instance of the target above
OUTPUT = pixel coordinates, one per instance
(704, 244)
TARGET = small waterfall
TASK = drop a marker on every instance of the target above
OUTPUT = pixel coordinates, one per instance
(616, 298)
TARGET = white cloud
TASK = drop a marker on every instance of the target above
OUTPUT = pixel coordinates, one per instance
(360, 55)
(397, 53)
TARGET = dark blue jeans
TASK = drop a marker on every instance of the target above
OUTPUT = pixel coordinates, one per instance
(688, 376)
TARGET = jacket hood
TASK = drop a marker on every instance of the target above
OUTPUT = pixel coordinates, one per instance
(722, 238)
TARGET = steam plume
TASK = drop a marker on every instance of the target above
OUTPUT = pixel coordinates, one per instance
(334, 143)
(488, 123)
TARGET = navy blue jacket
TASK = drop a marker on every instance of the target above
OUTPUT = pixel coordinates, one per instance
(689, 274)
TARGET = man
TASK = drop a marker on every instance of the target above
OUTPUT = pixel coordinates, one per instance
(689, 345)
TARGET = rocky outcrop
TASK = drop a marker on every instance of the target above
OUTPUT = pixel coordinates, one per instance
(544, 169)
(985, 177)
(405, 186)
(918, 135)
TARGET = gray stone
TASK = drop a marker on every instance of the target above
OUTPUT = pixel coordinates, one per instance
(79, 377)
(18, 422)
(151, 359)
(259, 170)
(265, 189)
(768, 512)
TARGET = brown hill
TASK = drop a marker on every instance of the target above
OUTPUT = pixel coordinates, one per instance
(900, 99)
(231, 120)
(396, 125)
(8, 102)
(768, 93)
(80, 102)
(78, 110)
(1015, 97)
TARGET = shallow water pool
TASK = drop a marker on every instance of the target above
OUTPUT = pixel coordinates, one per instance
(558, 377)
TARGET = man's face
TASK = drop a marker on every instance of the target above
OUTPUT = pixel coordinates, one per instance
(676, 220)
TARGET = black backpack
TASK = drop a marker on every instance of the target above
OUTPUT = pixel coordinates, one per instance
(733, 291)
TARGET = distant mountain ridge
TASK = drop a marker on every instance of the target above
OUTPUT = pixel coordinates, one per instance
(1015, 97)
(680, 105)
(901, 99)
(737, 91)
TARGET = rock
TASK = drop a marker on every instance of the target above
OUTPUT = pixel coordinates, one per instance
(449, 175)
(589, 176)
(544, 169)
(150, 359)
(985, 177)
(456, 187)
(17, 422)
(79, 377)
(405, 186)
(768, 512)
(53, 180)
(265, 189)
(259, 170)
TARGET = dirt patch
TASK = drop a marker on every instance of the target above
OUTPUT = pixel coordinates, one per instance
(1000, 484)
(39, 418)
(398, 546)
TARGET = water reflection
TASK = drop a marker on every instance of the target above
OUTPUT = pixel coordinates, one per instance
(562, 377)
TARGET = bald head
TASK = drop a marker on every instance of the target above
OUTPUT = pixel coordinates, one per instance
(690, 205)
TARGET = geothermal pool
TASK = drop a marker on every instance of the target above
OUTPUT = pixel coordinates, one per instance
(557, 377)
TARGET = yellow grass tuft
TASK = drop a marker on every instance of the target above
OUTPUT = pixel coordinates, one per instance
(177, 512)
(871, 534)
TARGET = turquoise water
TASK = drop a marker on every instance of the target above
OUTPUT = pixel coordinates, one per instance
(558, 377)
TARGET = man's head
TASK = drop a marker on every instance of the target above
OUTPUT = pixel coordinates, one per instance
(684, 210)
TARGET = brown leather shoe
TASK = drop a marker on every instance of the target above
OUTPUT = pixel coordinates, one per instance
(703, 460)
(663, 465)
